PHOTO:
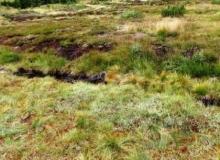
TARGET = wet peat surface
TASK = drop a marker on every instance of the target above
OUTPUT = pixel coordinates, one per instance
(74, 51)
(62, 76)
(210, 101)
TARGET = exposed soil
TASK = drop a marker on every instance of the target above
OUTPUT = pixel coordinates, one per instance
(105, 47)
(160, 50)
(210, 101)
(62, 76)
(3, 40)
(191, 51)
(27, 118)
(74, 51)
(139, 35)
(191, 124)
(55, 44)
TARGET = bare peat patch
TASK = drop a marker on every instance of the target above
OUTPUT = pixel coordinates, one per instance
(191, 51)
(160, 50)
(74, 51)
(210, 101)
(63, 76)
(55, 44)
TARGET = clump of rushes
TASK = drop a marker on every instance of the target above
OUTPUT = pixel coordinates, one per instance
(173, 11)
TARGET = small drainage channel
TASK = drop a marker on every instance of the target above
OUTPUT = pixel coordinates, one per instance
(62, 76)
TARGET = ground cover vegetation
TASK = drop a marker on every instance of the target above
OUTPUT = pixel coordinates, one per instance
(32, 3)
(110, 80)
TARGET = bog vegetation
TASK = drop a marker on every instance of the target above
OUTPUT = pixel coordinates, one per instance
(109, 80)
(33, 3)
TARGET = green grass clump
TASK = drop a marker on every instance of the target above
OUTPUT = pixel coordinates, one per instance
(163, 34)
(201, 89)
(200, 65)
(111, 143)
(44, 62)
(136, 50)
(64, 43)
(173, 11)
(215, 1)
(8, 56)
(131, 14)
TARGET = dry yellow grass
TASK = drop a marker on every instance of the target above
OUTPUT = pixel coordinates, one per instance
(154, 24)
(170, 24)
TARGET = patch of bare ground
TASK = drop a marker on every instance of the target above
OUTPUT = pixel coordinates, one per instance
(160, 50)
(70, 52)
(73, 51)
(62, 76)
(77, 50)
(55, 44)
(191, 51)
(209, 100)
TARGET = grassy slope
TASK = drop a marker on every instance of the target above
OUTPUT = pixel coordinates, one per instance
(142, 113)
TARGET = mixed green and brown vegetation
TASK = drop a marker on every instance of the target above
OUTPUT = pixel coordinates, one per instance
(161, 95)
